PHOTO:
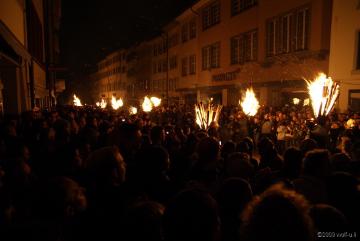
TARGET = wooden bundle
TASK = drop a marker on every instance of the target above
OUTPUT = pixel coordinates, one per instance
(205, 115)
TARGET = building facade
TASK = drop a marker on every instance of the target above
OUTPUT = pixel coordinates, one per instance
(111, 74)
(218, 48)
(344, 65)
(24, 83)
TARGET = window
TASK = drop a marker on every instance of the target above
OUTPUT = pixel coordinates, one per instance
(155, 50)
(271, 35)
(238, 6)
(173, 40)
(358, 52)
(192, 29)
(192, 64)
(184, 33)
(173, 84)
(244, 48)
(288, 32)
(165, 65)
(154, 68)
(173, 62)
(160, 48)
(211, 56)
(159, 66)
(184, 65)
(302, 29)
(211, 15)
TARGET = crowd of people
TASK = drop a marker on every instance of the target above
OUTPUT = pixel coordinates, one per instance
(92, 174)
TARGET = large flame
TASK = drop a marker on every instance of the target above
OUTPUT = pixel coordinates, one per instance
(323, 92)
(147, 105)
(101, 104)
(116, 104)
(250, 104)
(205, 115)
(77, 101)
(133, 110)
(155, 101)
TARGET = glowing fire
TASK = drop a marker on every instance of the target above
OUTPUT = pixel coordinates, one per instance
(133, 110)
(77, 101)
(306, 102)
(147, 105)
(323, 92)
(155, 101)
(205, 115)
(296, 101)
(101, 104)
(116, 104)
(250, 104)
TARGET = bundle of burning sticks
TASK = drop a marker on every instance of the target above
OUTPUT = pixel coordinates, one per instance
(205, 115)
(323, 93)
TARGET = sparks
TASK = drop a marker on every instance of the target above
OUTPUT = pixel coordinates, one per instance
(323, 92)
(155, 101)
(205, 115)
(116, 104)
(250, 104)
(133, 110)
(147, 105)
(77, 101)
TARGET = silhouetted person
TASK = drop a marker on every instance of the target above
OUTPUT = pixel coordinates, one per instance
(150, 173)
(192, 216)
(269, 156)
(232, 197)
(157, 135)
(227, 149)
(277, 214)
(308, 145)
(326, 217)
(344, 194)
(340, 162)
(238, 165)
(205, 169)
(312, 182)
(292, 163)
(142, 221)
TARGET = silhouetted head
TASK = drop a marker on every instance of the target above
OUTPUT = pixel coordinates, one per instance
(308, 145)
(208, 150)
(152, 160)
(191, 216)
(106, 166)
(340, 162)
(142, 221)
(157, 135)
(62, 198)
(326, 217)
(277, 214)
(292, 162)
(228, 148)
(238, 165)
(233, 196)
(317, 163)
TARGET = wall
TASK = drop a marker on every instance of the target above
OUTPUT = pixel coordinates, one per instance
(12, 14)
(345, 25)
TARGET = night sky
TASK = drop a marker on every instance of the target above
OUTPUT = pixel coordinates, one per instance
(90, 29)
